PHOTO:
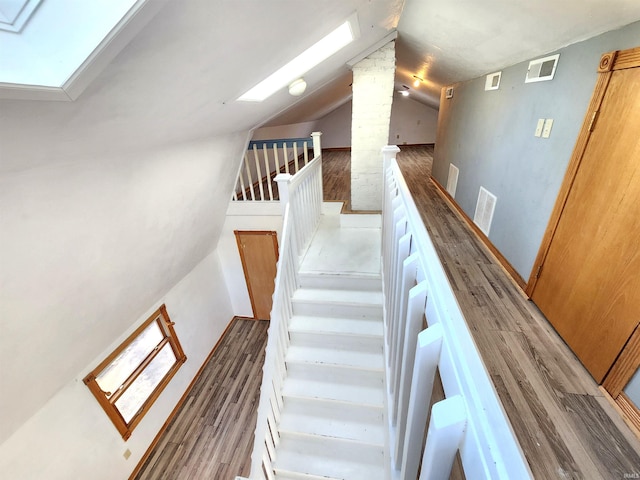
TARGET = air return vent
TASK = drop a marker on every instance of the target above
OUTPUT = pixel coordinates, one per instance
(542, 69)
(452, 180)
(484, 210)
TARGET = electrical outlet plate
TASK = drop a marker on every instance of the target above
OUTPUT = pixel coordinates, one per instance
(539, 127)
(546, 130)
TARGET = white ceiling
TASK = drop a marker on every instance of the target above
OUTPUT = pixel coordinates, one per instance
(178, 79)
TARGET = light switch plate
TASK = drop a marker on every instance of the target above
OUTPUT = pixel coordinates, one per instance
(539, 127)
(546, 130)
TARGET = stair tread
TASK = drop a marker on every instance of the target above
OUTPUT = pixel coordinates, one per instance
(335, 383)
(333, 419)
(349, 297)
(332, 458)
(372, 360)
(337, 325)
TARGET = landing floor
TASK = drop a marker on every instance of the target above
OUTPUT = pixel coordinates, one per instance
(336, 249)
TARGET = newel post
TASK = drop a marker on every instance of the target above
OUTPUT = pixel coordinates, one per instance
(283, 180)
(388, 152)
(317, 149)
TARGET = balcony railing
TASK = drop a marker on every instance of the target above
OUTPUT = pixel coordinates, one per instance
(265, 159)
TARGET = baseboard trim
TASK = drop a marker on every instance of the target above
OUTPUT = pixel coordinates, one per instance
(183, 398)
(515, 276)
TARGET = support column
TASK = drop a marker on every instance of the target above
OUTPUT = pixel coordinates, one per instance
(372, 97)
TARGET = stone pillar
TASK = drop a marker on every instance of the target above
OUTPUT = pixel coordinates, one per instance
(372, 97)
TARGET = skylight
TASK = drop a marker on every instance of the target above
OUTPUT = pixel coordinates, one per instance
(312, 56)
(51, 50)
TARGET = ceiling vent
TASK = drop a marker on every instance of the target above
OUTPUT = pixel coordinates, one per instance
(542, 69)
(484, 210)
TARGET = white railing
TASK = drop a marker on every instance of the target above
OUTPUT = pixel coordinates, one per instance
(470, 420)
(301, 199)
(265, 159)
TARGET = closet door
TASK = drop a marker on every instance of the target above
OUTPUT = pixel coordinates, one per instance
(588, 277)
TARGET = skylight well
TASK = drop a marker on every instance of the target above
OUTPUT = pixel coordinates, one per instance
(312, 56)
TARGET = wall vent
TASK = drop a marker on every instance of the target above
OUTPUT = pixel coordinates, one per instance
(493, 81)
(452, 180)
(542, 69)
(484, 210)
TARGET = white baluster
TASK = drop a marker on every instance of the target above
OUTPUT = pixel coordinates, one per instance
(286, 157)
(415, 312)
(267, 169)
(295, 156)
(258, 171)
(428, 348)
(305, 152)
(397, 308)
(275, 157)
(446, 429)
(408, 281)
(249, 179)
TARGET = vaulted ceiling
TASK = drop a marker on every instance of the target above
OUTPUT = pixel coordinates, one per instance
(187, 61)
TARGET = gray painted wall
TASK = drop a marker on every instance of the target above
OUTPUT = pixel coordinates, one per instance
(489, 136)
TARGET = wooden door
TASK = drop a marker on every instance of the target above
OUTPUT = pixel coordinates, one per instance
(259, 254)
(588, 274)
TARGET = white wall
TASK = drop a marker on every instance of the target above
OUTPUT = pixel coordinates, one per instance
(72, 437)
(336, 127)
(412, 122)
(297, 130)
(87, 247)
(244, 216)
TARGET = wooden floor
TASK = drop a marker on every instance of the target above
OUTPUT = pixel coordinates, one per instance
(565, 425)
(211, 435)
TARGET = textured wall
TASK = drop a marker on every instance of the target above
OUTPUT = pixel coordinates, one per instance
(372, 98)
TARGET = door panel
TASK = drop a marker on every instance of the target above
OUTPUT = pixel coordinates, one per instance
(259, 254)
(589, 284)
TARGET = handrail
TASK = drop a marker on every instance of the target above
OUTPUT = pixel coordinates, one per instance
(301, 199)
(471, 419)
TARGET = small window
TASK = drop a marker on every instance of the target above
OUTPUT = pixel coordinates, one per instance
(129, 380)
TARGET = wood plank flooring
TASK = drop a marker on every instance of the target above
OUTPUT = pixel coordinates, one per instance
(565, 425)
(211, 435)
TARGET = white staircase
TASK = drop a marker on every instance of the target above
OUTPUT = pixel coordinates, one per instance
(332, 422)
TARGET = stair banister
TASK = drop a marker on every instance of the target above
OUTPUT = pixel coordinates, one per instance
(471, 419)
(301, 200)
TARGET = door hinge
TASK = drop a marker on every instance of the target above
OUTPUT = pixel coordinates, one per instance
(538, 271)
(594, 118)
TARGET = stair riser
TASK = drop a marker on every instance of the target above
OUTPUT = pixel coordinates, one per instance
(340, 375)
(330, 458)
(357, 343)
(341, 282)
(336, 310)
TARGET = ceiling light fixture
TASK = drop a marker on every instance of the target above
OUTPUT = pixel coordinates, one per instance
(312, 56)
(405, 91)
(297, 87)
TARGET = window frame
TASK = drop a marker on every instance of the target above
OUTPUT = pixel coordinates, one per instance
(108, 403)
